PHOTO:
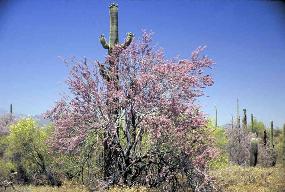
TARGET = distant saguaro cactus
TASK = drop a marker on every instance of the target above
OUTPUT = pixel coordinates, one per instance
(271, 134)
(264, 138)
(244, 120)
(11, 109)
(11, 112)
(252, 123)
(238, 116)
(253, 151)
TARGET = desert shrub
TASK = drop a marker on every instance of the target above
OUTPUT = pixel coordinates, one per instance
(221, 142)
(135, 116)
(267, 155)
(5, 169)
(239, 145)
(29, 153)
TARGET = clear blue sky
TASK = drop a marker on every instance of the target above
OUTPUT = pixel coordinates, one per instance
(245, 38)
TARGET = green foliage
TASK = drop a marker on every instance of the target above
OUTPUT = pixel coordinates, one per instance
(5, 168)
(220, 139)
(221, 162)
(258, 127)
(27, 139)
(28, 151)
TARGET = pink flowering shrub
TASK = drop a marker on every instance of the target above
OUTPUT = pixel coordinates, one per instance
(239, 145)
(140, 109)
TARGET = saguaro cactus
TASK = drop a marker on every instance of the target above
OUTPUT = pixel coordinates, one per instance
(265, 138)
(271, 134)
(244, 120)
(253, 151)
(252, 123)
(11, 112)
(238, 117)
(11, 109)
(114, 31)
(105, 72)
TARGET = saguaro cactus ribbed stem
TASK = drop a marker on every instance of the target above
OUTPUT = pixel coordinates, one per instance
(114, 31)
(114, 28)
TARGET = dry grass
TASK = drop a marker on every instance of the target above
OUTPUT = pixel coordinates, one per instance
(251, 179)
(67, 187)
(230, 179)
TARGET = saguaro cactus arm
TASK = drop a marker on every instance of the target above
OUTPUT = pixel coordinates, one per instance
(103, 42)
(128, 40)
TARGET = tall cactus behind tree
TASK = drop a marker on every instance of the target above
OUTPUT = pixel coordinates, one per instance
(11, 109)
(264, 138)
(238, 116)
(271, 134)
(244, 120)
(11, 112)
(252, 123)
(105, 72)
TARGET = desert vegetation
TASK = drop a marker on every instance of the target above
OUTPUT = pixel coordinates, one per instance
(132, 123)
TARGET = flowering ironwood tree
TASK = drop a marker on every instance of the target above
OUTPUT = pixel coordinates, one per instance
(143, 106)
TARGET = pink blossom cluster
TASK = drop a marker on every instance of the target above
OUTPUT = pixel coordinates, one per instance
(138, 91)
